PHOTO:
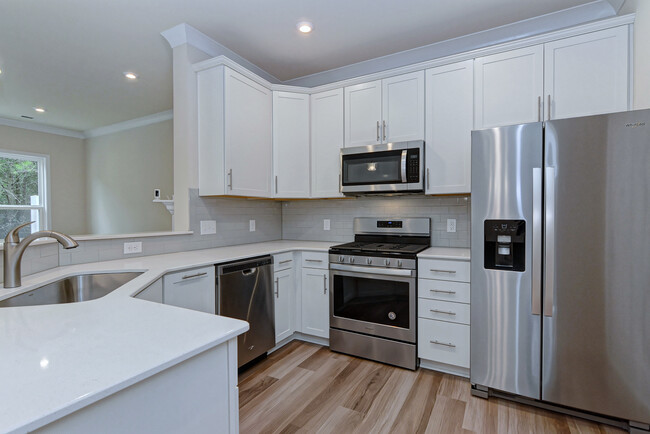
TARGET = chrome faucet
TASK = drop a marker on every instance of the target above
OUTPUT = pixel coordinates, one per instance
(14, 249)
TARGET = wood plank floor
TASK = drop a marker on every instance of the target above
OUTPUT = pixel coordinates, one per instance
(306, 388)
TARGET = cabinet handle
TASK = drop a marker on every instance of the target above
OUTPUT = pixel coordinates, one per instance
(446, 344)
(442, 292)
(324, 284)
(191, 276)
(442, 271)
(277, 287)
(276, 184)
(428, 177)
(377, 130)
(549, 107)
(313, 260)
(286, 261)
(539, 109)
(446, 312)
(383, 129)
(230, 179)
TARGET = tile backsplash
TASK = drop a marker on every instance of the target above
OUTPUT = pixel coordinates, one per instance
(291, 220)
(303, 220)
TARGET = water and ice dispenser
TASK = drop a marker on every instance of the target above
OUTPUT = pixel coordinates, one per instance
(505, 245)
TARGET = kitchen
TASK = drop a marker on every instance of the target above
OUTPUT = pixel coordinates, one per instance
(207, 172)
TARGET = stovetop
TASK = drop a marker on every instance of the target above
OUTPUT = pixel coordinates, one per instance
(374, 247)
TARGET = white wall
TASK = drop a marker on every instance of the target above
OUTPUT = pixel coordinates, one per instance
(123, 169)
(67, 173)
(641, 50)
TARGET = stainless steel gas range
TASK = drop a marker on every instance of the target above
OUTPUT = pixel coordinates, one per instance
(373, 290)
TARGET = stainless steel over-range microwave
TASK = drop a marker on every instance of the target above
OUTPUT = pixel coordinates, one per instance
(389, 168)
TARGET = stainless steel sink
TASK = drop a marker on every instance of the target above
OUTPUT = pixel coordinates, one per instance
(82, 287)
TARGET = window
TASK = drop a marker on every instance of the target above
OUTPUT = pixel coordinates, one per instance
(23, 192)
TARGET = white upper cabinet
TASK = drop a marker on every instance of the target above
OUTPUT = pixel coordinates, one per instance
(449, 122)
(509, 88)
(384, 111)
(326, 142)
(587, 74)
(363, 114)
(235, 134)
(403, 108)
(291, 145)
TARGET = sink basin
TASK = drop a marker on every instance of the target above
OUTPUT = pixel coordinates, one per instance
(82, 287)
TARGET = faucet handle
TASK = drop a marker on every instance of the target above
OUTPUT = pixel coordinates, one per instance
(12, 235)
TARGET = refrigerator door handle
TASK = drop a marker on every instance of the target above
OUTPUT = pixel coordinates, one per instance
(537, 242)
(549, 248)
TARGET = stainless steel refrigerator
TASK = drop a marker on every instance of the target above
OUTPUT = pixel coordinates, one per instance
(560, 265)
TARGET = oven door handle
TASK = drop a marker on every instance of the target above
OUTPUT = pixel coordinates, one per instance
(372, 270)
(403, 165)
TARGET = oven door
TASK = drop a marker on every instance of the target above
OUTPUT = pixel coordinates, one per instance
(379, 303)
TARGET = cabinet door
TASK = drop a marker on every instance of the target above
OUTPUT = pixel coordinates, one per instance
(153, 292)
(191, 289)
(291, 144)
(508, 88)
(363, 114)
(449, 122)
(315, 302)
(248, 136)
(326, 143)
(403, 108)
(284, 291)
(587, 74)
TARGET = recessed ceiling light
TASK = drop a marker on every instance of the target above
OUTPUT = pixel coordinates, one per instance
(131, 75)
(39, 109)
(305, 26)
(0, 71)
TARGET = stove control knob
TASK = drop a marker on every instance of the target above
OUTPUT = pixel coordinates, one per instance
(351, 260)
(369, 261)
(387, 262)
(399, 263)
(341, 258)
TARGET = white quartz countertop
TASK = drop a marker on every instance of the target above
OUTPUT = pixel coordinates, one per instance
(452, 253)
(56, 359)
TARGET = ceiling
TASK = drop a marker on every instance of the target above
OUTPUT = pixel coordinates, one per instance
(69, 55)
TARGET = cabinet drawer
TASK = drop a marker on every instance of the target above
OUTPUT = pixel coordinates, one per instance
(443, 269)
(315, 259)
(443, 310)
(443, 342)
(444, 290)
(282, 261)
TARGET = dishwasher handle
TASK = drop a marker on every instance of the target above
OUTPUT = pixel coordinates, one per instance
(244, 266)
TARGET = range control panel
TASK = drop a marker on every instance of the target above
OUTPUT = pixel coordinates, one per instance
(505, 245)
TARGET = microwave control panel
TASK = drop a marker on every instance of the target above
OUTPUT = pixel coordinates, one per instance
(413, 165)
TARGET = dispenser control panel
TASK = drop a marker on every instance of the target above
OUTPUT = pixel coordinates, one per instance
(505, 245)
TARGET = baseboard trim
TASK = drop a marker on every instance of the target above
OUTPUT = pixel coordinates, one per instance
(443, 367)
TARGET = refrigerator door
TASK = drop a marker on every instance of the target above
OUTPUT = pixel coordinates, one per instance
(506, 251)
(596, 347)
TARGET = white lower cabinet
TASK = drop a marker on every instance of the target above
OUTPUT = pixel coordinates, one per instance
(284, 297)
(315, 302)
(444, 315)
(191, 289)
(153, 292)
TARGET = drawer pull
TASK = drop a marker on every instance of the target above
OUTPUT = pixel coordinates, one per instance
(446, 312)
(192, 276)
(446, 344)
(286, 261)
(314, 260)
(442, 271)
(442, 291)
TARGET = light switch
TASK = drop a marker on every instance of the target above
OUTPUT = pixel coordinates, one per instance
(251, 225)
(208, 227)
(326, 224)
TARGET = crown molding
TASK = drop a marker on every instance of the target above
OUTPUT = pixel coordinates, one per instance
(41, 128)
(130, 124)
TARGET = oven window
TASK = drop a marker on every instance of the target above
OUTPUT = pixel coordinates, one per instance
(372, 300)
(373, 168)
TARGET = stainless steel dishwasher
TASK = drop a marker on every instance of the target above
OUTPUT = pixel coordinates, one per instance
(245, 291)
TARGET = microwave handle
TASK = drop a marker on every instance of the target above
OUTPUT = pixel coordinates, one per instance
(404, 152)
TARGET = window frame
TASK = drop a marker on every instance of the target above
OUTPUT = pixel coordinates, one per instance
(43, 162)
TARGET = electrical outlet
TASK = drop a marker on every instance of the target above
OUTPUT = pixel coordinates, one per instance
(326, 224)
(251, 225)
(130, 248)
(451, 225)
(208, 227)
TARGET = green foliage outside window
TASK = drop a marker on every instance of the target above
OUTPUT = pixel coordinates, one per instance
(18, 182)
